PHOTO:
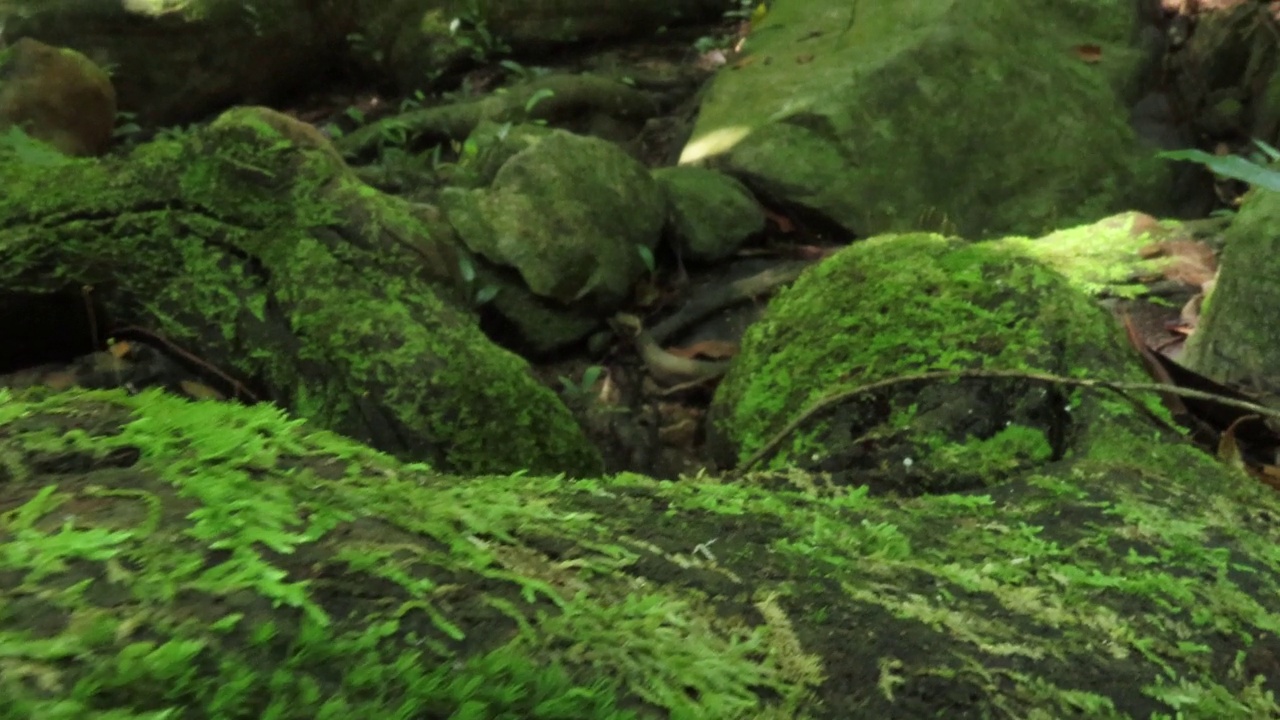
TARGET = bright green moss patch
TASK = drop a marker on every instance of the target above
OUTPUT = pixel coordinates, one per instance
(227, 561)
(1012, 447)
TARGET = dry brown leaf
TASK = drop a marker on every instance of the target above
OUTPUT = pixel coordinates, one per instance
(1268, 475)
(1189, 315)
(1089, 53)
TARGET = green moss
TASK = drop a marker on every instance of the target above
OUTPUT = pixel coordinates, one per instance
(251, 245)
(229, 562)
(990, 160)
(898, 306)
(210, 578)
(1013, 448)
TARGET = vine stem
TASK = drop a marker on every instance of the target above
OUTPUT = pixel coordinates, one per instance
(1119, 387)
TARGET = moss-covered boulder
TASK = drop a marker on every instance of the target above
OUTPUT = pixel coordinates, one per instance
(554, 212)
(979, 117)
(710, 214)
(252, 252)
(56, 96)
(830, 379)
(571, 218)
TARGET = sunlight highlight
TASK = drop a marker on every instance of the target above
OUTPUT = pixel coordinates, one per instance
(713, 143)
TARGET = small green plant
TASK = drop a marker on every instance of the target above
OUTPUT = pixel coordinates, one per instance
(467, 150)
(646, 257)
(413, 102)
(253, 17)
(745, 10)
(361, 46)
(472, 32)
(742, 10)
(707, 43)
(175, 133)
(485, 295)
(478, 296)
(515, 68)
(127, 126)
(1252, 169)
(532, 102)
(521, 71)
(394, 133)
(582, 388)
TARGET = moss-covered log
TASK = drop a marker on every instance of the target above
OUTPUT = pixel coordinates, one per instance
(250, 245)
(161, 558)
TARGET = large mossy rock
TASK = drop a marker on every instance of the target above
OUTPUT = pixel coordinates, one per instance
(253, 248)
(895, 307)
(981, 117)
(161, 558)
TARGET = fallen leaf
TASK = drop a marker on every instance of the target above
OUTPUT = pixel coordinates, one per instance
(1268, 475)
(1190, 313)
(1089, 53)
